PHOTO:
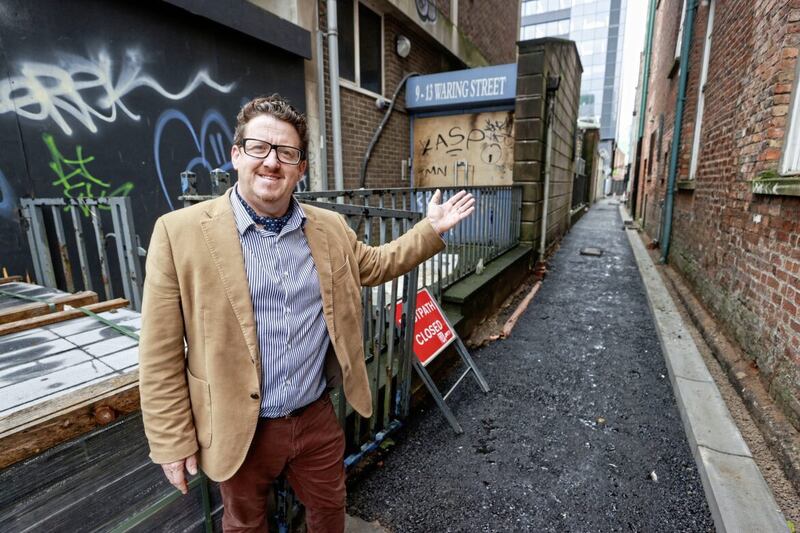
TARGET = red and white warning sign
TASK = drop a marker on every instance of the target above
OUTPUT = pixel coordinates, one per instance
(432, 333)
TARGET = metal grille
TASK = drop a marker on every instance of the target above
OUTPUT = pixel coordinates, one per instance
(58, 224)
(492, 230)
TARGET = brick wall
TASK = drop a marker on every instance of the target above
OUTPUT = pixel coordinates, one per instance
(361, 117)
(493, 26)
(660, 116)
(740, 250)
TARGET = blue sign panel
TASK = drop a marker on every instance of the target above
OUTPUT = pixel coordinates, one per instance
(463, 88)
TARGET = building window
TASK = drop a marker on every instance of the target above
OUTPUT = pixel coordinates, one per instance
(698, 121)
(680, 33)
(360, 45)
(651, 155)
(790, 162)
(556, 28)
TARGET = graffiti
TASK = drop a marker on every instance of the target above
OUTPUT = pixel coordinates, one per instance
(435, 170)
(481, 142)
(214, 140)
(212, 147)
(426, 9)
(499, 130)
(75, 179)
(85, 90)
(455, 141)
(8, 200)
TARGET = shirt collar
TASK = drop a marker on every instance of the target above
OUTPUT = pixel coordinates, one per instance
(244, 221)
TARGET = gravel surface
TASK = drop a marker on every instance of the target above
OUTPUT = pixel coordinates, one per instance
(580, 431)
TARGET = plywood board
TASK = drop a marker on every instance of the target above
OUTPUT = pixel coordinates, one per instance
(468, 149)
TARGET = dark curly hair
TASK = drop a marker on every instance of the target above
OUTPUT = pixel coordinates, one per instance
(276, 106)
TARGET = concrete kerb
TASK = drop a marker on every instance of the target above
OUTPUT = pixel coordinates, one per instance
(737, 494)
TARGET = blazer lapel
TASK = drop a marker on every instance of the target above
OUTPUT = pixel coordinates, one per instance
(317, 239)
(222, 237)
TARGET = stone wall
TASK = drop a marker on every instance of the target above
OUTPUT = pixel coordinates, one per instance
(538, 59)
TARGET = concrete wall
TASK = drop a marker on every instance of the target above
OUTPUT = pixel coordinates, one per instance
(538, 59)
(740, 250)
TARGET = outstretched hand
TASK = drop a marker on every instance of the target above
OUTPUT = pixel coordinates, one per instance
(444, 216)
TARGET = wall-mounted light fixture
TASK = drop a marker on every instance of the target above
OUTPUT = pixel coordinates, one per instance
(402, 46)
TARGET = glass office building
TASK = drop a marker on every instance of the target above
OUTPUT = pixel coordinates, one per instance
(597, 27)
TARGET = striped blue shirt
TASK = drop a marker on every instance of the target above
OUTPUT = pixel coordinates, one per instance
(287, 304)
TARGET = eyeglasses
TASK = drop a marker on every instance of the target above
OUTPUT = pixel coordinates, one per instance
(261, 149)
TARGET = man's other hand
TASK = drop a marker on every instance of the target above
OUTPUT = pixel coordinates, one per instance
(444, 216)
(175, 472)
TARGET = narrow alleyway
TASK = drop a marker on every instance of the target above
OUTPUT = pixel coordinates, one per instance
(580, 431)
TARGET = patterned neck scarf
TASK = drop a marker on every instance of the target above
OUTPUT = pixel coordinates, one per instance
(274, 225)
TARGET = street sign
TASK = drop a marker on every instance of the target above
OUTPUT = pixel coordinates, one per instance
(482, 86)
(432, 333)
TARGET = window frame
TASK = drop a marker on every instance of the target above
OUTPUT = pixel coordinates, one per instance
(790, 152)
(355, 85)
(694, 157)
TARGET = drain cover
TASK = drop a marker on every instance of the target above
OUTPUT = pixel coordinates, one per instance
(594, 252)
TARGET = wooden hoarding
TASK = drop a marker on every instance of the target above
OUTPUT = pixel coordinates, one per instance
(466, 149)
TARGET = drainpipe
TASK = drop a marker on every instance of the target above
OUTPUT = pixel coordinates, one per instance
(648, 47)
(688, 26)
(333, 73)
(552, 87)
(323, 148)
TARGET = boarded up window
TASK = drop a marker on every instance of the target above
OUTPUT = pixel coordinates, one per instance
(470, 149)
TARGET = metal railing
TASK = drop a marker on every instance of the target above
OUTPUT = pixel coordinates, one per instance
(492, 230)
(44, 219)
(580, 191)
(387, 346)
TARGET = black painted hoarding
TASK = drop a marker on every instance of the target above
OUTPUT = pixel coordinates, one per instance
(118, 98)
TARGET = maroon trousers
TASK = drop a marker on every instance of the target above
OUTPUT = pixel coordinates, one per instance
(309, 449)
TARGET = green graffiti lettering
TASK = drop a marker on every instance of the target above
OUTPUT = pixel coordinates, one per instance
(75, 180)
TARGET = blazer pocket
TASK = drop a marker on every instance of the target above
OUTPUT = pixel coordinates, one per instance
(200, 398)
(342, 272)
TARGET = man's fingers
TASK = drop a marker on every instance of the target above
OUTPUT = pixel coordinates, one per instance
(174, 473)
(464, 204)
(191, 464)
(456, 197)
(437, 197)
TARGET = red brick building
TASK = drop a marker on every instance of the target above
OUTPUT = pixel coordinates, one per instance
(444, 35)
(735, 231)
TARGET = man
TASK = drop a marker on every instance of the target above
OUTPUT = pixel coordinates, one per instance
(265, 295)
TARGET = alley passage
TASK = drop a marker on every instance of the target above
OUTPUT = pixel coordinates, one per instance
(580, 432)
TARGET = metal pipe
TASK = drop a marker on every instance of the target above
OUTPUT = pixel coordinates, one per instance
(648, 48)
(686, 47)
(379, 130)
(323, 148)
(333, 72)
(547, 161)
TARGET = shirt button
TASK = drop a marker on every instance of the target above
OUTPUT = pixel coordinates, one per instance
(254, 395)
(289, 345)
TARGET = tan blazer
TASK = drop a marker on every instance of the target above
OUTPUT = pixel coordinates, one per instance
(204, 395)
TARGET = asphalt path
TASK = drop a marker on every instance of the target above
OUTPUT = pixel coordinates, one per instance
(580, 431)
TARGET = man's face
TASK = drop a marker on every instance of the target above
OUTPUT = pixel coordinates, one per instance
(267, 184)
